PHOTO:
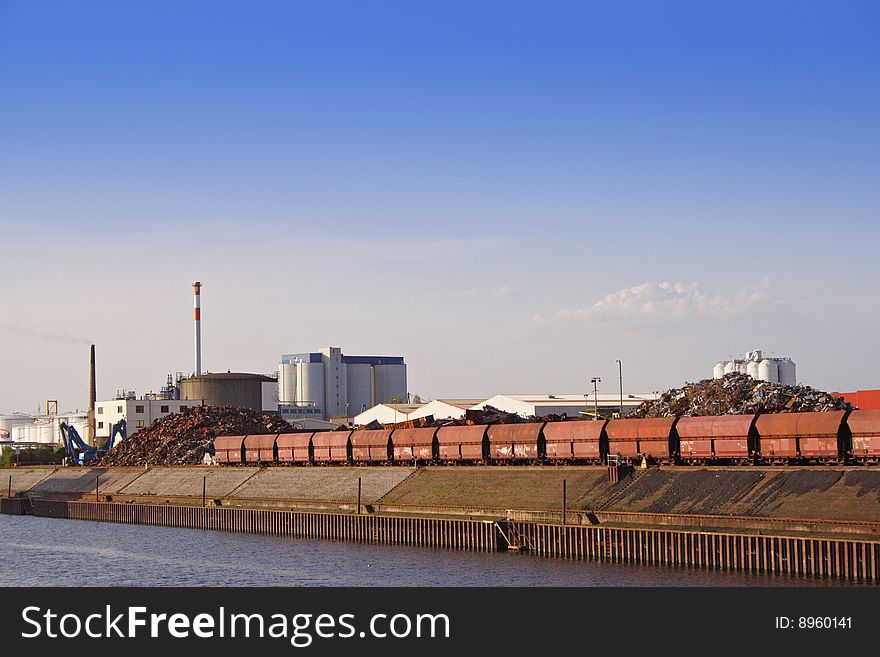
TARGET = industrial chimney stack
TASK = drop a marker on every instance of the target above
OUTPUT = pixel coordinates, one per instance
(197, 294)
(91, 438)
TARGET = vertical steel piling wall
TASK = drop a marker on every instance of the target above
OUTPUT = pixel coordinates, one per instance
(846, 559)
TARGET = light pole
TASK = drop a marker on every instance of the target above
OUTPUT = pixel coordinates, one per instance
(596, 381)
(620, 378)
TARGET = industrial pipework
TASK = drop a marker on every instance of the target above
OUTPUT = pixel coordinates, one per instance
(197, 295)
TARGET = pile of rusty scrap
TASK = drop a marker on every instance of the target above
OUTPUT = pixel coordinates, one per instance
(736, 394)
(184, 438)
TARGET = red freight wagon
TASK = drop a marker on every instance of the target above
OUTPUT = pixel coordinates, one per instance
(514, 442)
(865, 429)
(413, 444)
(294, 447)
(777, 436)
(648, 437)
(229, 449)
(371, 446)
(462, 443)
(819, 435)
(801, 435)
(331, 446)
(259, 448)
(580, 439)
(716, 437)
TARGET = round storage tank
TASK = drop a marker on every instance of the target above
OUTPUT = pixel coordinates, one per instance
(310, 386)
(742, 367)
(226, 389)
(718, 370)
(752, 369)
(730, 367)
(787, 372)
(768, 371)
(8, 422)
(286, 383)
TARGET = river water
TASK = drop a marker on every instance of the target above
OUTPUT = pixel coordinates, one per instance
(49, 552)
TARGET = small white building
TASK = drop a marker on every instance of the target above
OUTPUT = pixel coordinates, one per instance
(137, 413)
(387, 414)
(445, 409)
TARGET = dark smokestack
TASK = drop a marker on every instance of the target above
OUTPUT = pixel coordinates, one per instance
(91, 433)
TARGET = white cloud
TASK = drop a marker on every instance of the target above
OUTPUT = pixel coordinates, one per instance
(659, 301)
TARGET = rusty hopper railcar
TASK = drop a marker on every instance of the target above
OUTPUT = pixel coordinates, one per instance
(784, 437)
(229, 449)
(413, 445)
(260, 448)
(581, 440)
(651, 438)
(717, 438)
(371, 446)
(462, 443)
(515, 442)
(864, 429)
(331, 446)
(294, 448)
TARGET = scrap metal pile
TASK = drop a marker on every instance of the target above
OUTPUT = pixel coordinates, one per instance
(736, 394)
(184, 438)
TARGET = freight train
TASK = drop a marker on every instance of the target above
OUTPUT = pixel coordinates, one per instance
(835, 437)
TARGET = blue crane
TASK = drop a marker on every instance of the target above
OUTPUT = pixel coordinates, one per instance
(80, 452)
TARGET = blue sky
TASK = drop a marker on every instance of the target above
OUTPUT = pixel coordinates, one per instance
(498, 191)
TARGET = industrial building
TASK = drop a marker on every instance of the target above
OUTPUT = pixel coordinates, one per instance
(444, 409)
(137, 413)
(327, 384)
(759, 367)
(576, 406)
(866, 400)
(389, 414)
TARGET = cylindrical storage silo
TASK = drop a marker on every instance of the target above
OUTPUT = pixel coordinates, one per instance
(7, 422)
(718, 370)
(752, 369)
(730, 367)
(310, 384)
(787, 372)
(768, 371)
(287, 383)
(742, 367)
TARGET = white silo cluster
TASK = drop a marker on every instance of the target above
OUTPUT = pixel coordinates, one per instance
(43, 430)
(771, 369)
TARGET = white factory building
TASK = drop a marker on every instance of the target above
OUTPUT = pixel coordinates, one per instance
(137, 413)
(574, 406)
(760, 367)
(327, 384)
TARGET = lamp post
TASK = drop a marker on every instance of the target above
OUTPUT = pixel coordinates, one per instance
(620, 378)
(596, 381)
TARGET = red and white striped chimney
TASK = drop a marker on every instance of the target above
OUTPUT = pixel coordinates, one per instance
(197, 310)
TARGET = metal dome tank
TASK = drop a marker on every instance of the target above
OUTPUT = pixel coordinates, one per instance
(237, 389)
(787, 372)
(730, 367)
(752, 369)
(768, 371)
(718, 370)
